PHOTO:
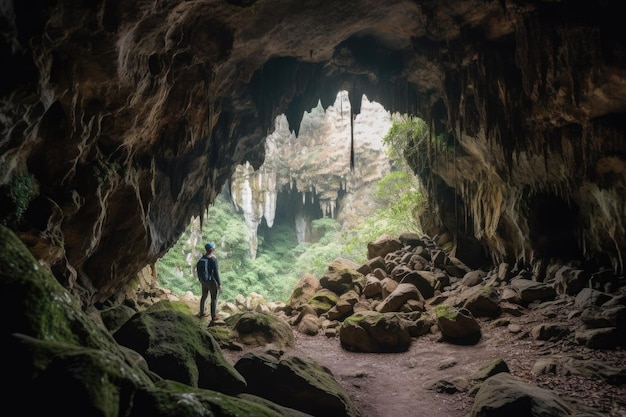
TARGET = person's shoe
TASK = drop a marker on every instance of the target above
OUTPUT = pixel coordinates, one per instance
(202, 314)
(216, 317)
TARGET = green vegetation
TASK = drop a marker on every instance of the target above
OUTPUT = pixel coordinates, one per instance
(17, 195)
(446, 311)
(409, 140)
(281, 260)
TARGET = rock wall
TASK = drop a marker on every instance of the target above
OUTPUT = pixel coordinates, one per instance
(309, 175)
(532, 164)
(122, 120)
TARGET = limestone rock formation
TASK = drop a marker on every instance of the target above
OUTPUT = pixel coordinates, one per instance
(309, 176)
(122, 120)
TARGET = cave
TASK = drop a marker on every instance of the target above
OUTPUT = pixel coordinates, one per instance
(122, 120)
(127, 120)
(298, 211)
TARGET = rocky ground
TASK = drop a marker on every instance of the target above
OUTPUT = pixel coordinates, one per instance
(537, 338)
(425, 380)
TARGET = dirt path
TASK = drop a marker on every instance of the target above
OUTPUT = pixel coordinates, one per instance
(397, 384)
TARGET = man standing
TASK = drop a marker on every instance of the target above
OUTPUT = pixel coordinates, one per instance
(209, 277)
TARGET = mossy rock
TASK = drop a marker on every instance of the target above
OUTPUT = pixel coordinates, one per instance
(114, 317)
(323, 300)
(296, 382)
(93, 381)
(458, 326)
(369, 331)
(177, 346)
(490, 369)
(260, 329)
(173, 399)
(38, 305)
(167, 305)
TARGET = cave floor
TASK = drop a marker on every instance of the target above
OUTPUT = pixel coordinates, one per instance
(399, 384)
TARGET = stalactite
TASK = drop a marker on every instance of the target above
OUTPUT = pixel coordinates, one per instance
(351, 140)
(456, 192)
(210, 93)
(407, 101)
(430, 186)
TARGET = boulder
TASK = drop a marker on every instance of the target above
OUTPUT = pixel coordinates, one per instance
(506, 395)
(382, 246)
(370, 331)
(457, 326)
(260, 329)
(296, 382)
(176, 348)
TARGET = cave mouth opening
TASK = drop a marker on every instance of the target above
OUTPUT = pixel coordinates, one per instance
(317, 171)
(553, 225)
(299, 210)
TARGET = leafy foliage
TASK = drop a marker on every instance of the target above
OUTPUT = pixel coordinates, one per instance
(400, 200)
(281, 260)
(313, 258)
(17, 195)
(401, 140)
(227, 230)
(409, 143)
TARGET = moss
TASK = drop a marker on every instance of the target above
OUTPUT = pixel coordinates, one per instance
(167, 305)
(324, 296)
(37, 303)
(320, 306)
(297, 293)
(222, 334)
(106, 172)
(446, 311)
(23, 189)
(17, 195)
(447, 247)
(500, 323)
(171, 398)
(356, 318)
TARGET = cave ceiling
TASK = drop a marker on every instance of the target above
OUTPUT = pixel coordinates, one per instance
(125, 119)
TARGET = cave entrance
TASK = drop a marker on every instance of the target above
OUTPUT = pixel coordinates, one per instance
(303, 208)
(313, 174)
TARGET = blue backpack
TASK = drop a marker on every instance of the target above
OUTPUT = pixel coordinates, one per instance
(205, 274)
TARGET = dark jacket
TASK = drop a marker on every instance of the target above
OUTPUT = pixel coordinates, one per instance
(208, 269)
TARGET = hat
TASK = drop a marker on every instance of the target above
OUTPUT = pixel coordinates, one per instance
(209, 246)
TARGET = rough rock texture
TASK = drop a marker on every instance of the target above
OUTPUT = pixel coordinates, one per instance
(308, 176)
(121, 120)
(54, 343)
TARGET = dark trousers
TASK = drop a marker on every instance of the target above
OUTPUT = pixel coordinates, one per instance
(209, 287)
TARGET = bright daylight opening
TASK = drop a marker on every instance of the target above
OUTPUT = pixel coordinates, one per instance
(320, 195)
